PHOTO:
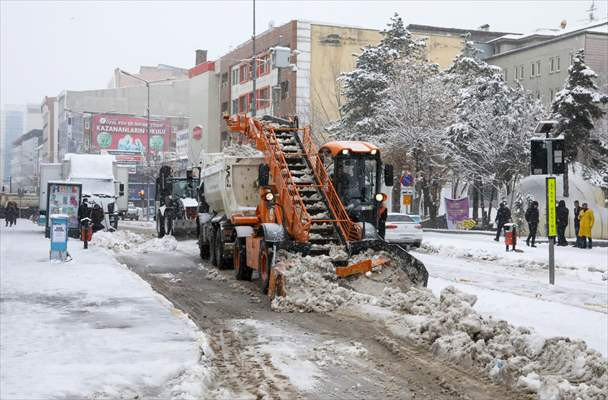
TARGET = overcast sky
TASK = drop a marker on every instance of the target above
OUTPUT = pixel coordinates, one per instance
(50, 46)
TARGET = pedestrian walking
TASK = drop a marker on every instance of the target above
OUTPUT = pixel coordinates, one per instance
(532, 220)
(561, 213)
(11, 213)
(577, 210)
(97, 218)
(586, 224)
(503, 215)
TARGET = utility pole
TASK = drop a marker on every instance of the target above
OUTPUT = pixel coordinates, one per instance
(254, 62)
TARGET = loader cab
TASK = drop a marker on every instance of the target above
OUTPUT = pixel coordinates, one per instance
(355, 169)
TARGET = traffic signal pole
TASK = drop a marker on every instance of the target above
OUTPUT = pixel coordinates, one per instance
(550, 190)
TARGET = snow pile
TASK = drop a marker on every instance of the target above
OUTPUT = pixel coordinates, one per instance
(514, 356)
(128, 241)
(117, 241)
(311, 285)
(559, 368)
(166, 244)
(239, 150)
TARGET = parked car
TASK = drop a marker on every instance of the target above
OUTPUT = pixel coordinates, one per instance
(415, 217)
(403, 229)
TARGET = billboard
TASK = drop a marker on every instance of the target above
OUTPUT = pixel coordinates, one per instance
(129, 134)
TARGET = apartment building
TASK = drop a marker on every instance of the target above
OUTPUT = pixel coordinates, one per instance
(539, 61)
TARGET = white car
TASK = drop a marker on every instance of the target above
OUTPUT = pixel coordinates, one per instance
(403, 229)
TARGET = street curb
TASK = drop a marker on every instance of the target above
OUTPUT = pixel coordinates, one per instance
(596, 242)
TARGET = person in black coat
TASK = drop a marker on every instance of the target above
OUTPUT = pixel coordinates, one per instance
(503, 215)
(532, 220)
(577, 210)
(561, 213)
(83, 210)
(97, 217)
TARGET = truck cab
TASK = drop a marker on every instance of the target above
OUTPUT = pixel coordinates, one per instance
(176, 205)
(356, 171)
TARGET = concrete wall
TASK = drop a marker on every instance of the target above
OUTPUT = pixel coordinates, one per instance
(332, 49)
(205, 109)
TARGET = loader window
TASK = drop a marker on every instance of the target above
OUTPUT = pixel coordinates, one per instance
(357, 178)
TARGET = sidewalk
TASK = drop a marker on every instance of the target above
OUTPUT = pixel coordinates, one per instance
(88, 328)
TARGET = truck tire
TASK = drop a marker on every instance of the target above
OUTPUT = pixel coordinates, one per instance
(223, 262)
(203, 246)
(160, 226)
(239, 258)
(264, 267)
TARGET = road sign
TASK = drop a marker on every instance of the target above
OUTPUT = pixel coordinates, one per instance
(551, 212)
(407, 180)
(407, 190)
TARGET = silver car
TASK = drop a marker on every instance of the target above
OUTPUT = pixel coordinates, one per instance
(403, 229)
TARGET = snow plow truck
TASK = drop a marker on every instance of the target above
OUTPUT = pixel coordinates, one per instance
(296, 197)
(175, 203)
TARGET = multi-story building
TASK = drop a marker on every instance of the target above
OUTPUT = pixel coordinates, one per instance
(50, 125)
(12, 120)
(539, 61)
(24, 161)
(309, 87)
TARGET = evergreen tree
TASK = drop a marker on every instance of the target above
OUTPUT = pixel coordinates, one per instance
(575, 108)
(364, 88)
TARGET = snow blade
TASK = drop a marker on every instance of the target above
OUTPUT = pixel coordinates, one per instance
(414, 268)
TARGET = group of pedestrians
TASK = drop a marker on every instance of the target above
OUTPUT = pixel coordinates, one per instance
(583, 223)
(11, 212)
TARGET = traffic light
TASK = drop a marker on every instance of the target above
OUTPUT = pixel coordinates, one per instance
(142, 194)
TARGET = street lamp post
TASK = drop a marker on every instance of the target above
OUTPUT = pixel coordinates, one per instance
(149, 161)
(254, 62)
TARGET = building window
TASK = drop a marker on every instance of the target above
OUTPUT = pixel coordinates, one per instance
(284, 90)
(557, 64)
(235, 76)
(224, 107)
(263, 97)
(551, 94)
(506, 74)
(244, 73)
(224, 79)
(538, 68)
(243, 104)
(533, 71)
(551, 65)
(235, 106)
(516, 77)
(521, 72)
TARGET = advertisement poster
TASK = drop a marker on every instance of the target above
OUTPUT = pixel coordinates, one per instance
(182, 139)
(59, 235)
(457, 210)
(126, 133)
(64, 198)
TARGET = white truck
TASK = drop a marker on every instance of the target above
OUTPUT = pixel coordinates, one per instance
(103, 181)
(229, 187)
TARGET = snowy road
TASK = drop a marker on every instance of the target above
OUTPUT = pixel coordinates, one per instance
(514, 286)
(89, 328)
(258, 353)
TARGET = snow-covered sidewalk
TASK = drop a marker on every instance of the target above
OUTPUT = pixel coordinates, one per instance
(514, 286)
(88, 328)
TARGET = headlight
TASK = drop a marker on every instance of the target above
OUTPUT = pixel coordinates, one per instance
(373, 152)
(379, 197)
(345, 152)
(269, 196)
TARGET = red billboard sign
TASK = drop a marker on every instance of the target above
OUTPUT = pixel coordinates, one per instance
(129, 134)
